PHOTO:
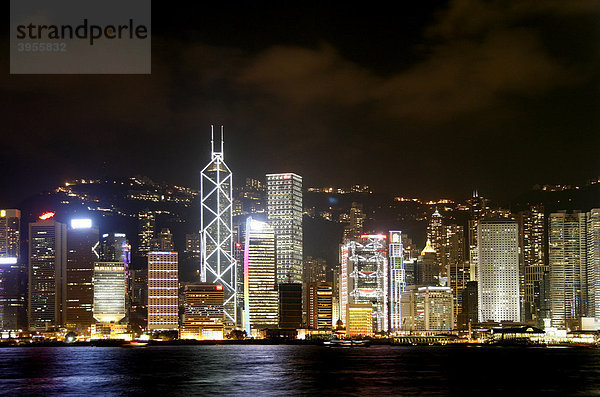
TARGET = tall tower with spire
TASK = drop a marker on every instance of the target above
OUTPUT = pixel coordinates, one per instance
(216, 235)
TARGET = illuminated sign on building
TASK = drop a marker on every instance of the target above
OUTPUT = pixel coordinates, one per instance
(81, 223)
(47, 215)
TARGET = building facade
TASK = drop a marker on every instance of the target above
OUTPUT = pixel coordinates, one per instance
(284, 210)
(163, 289)
(203, 317)
(364, 276)
(260, 278)
(47, 274)
(82, 240)
(498, 284)
(320, 306)
(109, 291)
(218, 265)
(397, 280)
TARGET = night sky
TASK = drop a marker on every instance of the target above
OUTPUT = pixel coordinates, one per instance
(430, 100)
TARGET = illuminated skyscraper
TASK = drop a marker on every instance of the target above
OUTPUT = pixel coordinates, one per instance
(427, 267)
(498, 284)
(47, 273)
(356, 221)
(163, 241)
(10, 233)
(435, 234)
(284, 209)
(146, 228)
(163, 291)
(109, 291)
(12, 272)
(574, 259)
(397, 279)
(260, 283)
(218, 265)
(532, 240)
(203, 316)
(364, 276)
(82, 244)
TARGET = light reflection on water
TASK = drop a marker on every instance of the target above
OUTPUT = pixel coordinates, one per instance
(297, 370)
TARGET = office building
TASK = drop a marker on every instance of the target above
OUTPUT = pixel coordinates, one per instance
(261, 308)
(427, 308)
(217, 263)
(320, 306)
(435, 234)
(47, 274)
(532, 240)
(359, 319)
(109, 291)
(146, 230)
(290, 305)
(364, 276)
(427, 267)
(574, 264)
(498, 284)
(284, 210)
(356, 219)
(82, 244)
(397, 279)
(13, 274)
(163, 241)
(203, 311)
(163, 287)
(469, 313)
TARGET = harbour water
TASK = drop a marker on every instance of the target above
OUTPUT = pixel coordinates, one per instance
(282, 370)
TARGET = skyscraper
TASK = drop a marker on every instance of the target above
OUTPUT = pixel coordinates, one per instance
(498, 285)
(364, 276)
(146, 230)
(427, 267)
(109, 291)
(397, 279)
(260, 283)
(532, 240)
(47, 273)
(284, 209)
(12, 272)
(82, 240)
(163, 291)
(217, 264)
(574, 239)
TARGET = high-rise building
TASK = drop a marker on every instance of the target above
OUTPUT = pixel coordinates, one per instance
(593, 262)
(469, 313)
(359, 319)
(314, 271)
(10, 233)
(12, 272)
(498, 284)
(574, 264)
(217, 264)
(364, 277)
(82, 240)
(356, 219)
(146, 230)
(163, 287)
(435, 234)
(427, 308)
(260, 283)
(109, 291)
(397, 279)
(203, 316)
(47, 274)
(427, 269)
(163, 241)
(532, 240)
(320, 309)
(284, 209)
(290, 305)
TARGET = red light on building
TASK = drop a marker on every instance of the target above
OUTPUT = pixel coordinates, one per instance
(219, 287)
(287, 176)
(238, 245)
(47, 215)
